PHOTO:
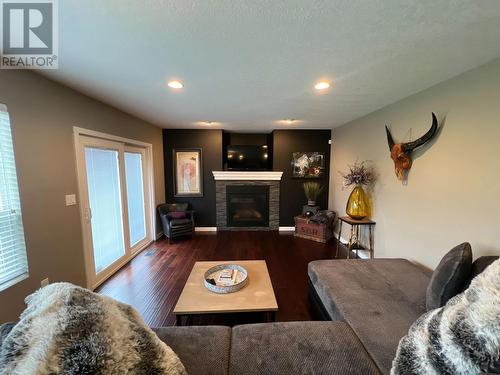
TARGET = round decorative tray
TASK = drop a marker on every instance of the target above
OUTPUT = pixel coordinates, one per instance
(213, 273)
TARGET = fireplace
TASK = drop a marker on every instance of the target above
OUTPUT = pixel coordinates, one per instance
(247, 205)
(247, 200)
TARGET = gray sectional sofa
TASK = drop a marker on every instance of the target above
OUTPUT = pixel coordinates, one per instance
(367, 305)
(379, 299)
(270, 348)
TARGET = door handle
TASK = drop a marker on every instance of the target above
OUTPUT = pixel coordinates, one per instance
(88, 215)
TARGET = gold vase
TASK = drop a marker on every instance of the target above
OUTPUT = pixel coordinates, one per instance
(357, 206)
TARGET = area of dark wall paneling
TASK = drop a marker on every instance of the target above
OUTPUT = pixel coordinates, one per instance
(292, 197)
(250, 139)
(210, 141)
(282, 144)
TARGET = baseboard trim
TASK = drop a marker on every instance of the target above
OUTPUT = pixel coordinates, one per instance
(159, 235)
(205, 229)
(286, 229)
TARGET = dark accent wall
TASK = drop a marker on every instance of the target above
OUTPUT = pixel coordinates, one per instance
(284, 144)
(210, 141)
(292, 197)
(251, 139)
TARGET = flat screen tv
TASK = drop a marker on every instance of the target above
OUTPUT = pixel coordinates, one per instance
(248, 158)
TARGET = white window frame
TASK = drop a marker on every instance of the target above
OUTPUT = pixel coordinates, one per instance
(15, 209)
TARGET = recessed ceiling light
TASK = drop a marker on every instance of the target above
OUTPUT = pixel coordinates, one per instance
(323, 85)
(289, 122)
(208, 123)
(175, 85)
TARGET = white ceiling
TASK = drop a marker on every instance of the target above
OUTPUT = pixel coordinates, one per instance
(248, 63)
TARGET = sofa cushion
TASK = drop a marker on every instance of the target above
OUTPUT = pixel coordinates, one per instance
(481, 263)
(298, 348)
(69, 329)
(202, 350)
(460, 338)
(379, 298)
(450, 276)
(180, 222)
(177, 215)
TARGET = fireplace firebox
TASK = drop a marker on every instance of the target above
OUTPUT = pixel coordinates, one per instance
(247, 205)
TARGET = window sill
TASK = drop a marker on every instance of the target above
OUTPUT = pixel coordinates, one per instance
(14, 281)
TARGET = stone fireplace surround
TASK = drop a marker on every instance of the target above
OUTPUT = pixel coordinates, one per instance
(225, 178)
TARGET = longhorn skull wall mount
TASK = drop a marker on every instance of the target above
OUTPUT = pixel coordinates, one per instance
(401, 153)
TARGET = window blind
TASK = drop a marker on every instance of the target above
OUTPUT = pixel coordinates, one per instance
(13, 260)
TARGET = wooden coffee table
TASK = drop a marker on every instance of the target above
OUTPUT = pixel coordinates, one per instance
(256, 296)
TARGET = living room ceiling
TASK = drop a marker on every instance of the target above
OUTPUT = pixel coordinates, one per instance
(248, 65)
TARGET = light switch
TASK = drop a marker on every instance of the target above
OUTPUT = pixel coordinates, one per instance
(70, 200)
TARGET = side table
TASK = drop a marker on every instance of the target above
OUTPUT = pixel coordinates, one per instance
(354, 235)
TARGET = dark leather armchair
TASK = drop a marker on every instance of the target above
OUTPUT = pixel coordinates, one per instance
(173, 227)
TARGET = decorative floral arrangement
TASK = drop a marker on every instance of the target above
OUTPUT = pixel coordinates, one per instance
(359, 174)
(312, 190)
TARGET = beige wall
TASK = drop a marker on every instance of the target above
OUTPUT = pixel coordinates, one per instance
(43, 114)
(454, 186)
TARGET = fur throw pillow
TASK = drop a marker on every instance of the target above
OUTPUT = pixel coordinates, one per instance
(462, 337)
(66, 329)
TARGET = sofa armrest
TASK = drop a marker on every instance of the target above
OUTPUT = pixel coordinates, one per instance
(190, 214)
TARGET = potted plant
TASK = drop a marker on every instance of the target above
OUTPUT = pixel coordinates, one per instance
(359, 175)
(312, 191)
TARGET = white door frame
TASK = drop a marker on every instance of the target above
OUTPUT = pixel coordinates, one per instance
(149, 209)
(104, 144)
(93, 281)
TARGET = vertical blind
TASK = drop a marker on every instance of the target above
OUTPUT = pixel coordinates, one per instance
(13, 261)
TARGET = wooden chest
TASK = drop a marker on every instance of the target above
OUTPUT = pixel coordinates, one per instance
(305, 228)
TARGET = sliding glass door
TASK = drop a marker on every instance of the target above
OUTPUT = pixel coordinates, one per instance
(105, 205)
(115, 204)
(136, 198)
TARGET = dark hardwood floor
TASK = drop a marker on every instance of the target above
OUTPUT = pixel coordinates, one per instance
(153, 280)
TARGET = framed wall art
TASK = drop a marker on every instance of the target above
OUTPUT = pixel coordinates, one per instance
(308, 164)
(188, 172)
